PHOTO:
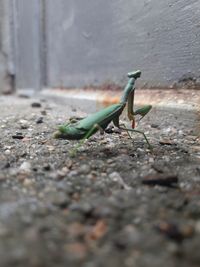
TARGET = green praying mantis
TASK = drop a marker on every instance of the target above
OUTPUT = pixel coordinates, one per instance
(86, 127)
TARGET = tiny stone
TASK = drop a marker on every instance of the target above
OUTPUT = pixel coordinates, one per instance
(43, 112)
(47, 167)
(7, 152)
(25, 167)
(165, 141)
(2, 177)
(84, 208)
(27, 182)
(151, 160)
(24, 124)
(18, 136)
(197, 227)
(69, 163)
(173, 248)
(62, 173)
(73, 173)
(39, 120)
(109, 130)
(51, 148)
(195, 148)
(7, 165)
(36, 105)
(174, 231)
(153, 125)
(57, 198)
(84, 169)
(115, 177)
(140, 149)
(160, 179)
(109, 161)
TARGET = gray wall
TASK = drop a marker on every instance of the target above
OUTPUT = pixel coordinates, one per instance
(6, 55)
(28, 40)
(72, 43)
(90, 41)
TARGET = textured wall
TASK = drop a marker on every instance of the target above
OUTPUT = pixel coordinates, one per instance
(28, 41)
(7, 68)
(90, 41)
(2, 58)
(4, 47)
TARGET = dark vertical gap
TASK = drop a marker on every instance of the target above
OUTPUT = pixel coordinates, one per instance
(43, 43)
(12, 44)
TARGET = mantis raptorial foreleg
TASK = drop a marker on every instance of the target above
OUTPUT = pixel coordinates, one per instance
(130, 106)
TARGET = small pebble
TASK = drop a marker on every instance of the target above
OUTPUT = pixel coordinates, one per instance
(166, 141)
(36, 105)
(43, 112)
(27, 182)
(160, 179)
(39, 120)
(153, 125)
(174, 231)
(24, 124)
(18, 136)
(7, 152)
(115, 177)
(57, 198)
(84, 169)
(47, 167)
(25, 167)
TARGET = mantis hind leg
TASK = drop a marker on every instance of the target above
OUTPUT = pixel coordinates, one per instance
(140, 132)
(94, 128)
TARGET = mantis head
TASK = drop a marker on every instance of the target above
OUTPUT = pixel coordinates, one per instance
(61, 132)
(134, 74)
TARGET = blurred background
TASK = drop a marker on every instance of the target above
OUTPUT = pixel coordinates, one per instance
(67, 43)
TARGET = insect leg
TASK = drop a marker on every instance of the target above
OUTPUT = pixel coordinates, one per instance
(140, 132)
(143, 111)
(87, 135)
(116, 123)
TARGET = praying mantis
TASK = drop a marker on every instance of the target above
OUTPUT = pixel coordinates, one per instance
(86, 127)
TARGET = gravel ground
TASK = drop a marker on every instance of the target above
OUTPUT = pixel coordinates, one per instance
(114, 204)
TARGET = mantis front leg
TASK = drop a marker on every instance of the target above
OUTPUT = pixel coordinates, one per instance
(130, 108)
(141, 111)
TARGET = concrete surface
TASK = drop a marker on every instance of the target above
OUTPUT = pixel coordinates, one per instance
(28, 43)
(115, 203)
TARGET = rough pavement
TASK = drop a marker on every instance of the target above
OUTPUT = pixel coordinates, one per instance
(114, 204)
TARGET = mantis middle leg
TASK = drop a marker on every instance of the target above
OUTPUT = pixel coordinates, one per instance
(86, 136)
